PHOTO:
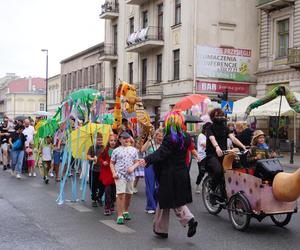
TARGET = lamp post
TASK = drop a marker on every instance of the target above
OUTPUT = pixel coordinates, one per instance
(46, 50)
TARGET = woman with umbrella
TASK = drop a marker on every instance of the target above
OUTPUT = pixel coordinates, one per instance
(174, 190)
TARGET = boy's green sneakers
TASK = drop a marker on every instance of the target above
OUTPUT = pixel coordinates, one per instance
(120, 220)
(126, 216)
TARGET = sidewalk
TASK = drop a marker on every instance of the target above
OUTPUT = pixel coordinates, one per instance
(285, 160)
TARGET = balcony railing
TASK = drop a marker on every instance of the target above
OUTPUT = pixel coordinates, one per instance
(149, 89)
(109, 52)
(271, 5)
(136, 2)
(145, 39)
(109, 10)
(294, 57)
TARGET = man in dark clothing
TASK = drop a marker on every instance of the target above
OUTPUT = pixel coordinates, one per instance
(216, 143)
(93, 155)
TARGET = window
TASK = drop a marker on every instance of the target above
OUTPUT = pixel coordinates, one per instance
(92, 75)
(85, 77)
(42, 106)
(79, 78)
(130, 72)
(69, 81)
(98, 73)
(74, 80)
(144, 75)
(159, 68)
(283, 37)
(177, 12)
(131, 25)
(145, 19)
(115, 30)
(176, 55)
(160, 20)
(114, 82)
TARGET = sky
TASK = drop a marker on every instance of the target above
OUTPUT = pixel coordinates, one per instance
(64, 27)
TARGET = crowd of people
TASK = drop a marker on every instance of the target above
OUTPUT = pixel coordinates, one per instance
(163, 160)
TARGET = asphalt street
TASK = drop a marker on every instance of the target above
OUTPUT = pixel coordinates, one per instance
(31, 219)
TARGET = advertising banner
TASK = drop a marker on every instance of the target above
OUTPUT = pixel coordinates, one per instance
(218, 87)
(225, 63)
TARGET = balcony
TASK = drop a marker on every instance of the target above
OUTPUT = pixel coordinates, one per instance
(271, 5)
(109, 53)
(109, 10)
(149, 90)
(145, 39)
(136, 2)
(294, 58)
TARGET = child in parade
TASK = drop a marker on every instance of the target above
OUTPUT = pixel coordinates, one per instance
(139, 171)
(124, 160)
(106, 176)
(149, 147)
(259, 149)
(30, 160)
(93, 155)
(46, 154)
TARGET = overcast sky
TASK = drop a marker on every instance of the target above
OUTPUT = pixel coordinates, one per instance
(64, 27)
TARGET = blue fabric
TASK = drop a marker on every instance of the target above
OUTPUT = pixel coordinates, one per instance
(151, 188)
(56, 157)
(17, 145)
(17, 157)
(263, 146)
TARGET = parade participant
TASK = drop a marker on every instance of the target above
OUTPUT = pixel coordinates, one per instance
(30, 160)
(124, 157)
(217, 135)
(59, 144)
(243, 133)
(150, 180)
(259, 149)
(201, 146)
(106, 175)
(17, 141)
(192, 152)
(4, 133)
(46, 154)
(139, 171)
(28, 131)
(174, 190)
(93, 155)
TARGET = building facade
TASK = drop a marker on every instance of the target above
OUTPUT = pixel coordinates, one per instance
(172, 48)
(279, 58)
(54, 93)
(4, 89)
(83, 70)
(25, 96)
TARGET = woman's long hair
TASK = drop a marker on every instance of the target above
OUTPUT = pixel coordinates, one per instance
(174, 126)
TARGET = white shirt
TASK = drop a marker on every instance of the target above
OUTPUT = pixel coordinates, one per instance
(29, 131)
(200, 148)
(46, 153)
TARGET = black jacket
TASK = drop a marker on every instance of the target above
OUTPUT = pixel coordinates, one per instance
(172, 173)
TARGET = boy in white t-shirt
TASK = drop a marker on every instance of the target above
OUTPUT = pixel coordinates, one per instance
(123, 161)
(46, 154)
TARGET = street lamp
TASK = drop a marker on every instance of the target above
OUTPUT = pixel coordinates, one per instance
(45, 50)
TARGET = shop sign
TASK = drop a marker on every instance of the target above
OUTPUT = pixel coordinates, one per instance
(226, 63)
(217, 87)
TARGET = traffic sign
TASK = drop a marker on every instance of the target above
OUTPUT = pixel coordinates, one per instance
(227, 106)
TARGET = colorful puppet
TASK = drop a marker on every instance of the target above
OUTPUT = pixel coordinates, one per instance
(133, 104)
(277, 91)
